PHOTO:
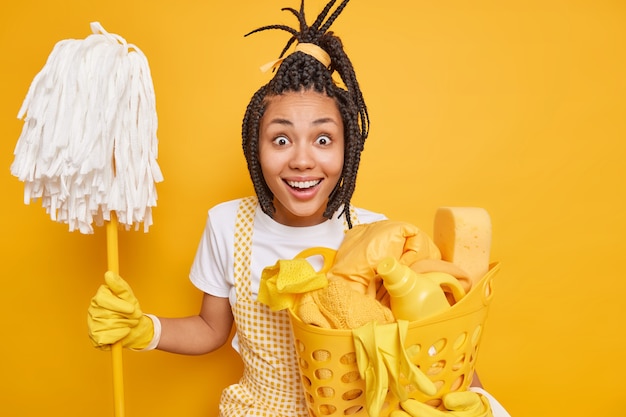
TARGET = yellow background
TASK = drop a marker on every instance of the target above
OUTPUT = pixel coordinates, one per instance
(515, 106)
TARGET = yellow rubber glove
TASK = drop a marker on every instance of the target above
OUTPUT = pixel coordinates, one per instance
(365, 245)
(456, 403)
(382, 359)
(114, 314)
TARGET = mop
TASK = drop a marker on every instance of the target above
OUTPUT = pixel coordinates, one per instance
(88, 147)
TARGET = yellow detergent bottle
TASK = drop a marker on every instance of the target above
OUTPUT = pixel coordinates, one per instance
(415, 296)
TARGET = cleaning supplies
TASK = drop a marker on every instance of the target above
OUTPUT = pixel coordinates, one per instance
(456, 403)
(88, 147)
(282, 283)
(339, 306)
(317, 300)
(463, 235)
(384, 364)
(416, 296)
(365, 245)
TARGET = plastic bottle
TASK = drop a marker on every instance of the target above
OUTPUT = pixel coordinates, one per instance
(416, 296)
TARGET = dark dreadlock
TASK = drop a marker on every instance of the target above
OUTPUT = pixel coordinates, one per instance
(300, 71)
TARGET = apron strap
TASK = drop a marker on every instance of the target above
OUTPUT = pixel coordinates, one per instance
(243, 246)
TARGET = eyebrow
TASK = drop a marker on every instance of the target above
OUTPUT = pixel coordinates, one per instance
(287, 122)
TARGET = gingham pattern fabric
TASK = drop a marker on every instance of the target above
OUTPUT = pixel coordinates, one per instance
(270, 385)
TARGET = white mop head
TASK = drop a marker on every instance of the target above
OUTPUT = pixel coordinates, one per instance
(89, 146)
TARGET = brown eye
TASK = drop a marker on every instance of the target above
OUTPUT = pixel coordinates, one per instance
(280, 141)
(323, 140)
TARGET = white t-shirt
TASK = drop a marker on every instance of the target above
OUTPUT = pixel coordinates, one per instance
(212, 269)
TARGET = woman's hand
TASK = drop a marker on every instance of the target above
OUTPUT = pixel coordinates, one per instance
(114, 315)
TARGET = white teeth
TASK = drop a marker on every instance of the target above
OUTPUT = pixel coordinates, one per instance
(303, 184)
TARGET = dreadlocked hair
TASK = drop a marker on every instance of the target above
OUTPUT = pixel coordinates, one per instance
(300, 71)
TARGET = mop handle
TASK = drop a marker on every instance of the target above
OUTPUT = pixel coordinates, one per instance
(116, 348)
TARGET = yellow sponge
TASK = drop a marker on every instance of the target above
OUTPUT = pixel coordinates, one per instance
(463, 235)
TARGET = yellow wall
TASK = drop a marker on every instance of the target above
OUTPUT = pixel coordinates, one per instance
(516, 106)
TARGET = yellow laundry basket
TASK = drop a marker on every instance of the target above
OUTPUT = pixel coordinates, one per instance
(444, 347)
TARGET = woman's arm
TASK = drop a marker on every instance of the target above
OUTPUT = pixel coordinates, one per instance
(198, 334)
(475, 381)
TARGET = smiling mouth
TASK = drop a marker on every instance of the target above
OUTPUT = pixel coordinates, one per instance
(303, 185)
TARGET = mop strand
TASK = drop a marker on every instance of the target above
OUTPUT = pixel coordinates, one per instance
(88, 146)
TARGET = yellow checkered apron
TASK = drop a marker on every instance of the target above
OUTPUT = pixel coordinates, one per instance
(270, 385)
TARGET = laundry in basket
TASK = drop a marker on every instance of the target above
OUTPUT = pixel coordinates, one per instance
(369, 370)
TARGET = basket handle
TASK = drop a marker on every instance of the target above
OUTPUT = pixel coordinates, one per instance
(326, 253)
(487, 283)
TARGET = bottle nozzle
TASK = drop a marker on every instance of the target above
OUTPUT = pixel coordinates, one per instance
(386, 266)
(392, 271)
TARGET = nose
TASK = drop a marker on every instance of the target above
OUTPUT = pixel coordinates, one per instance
(303, 157)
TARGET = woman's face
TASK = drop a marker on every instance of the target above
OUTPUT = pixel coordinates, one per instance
(301, 150)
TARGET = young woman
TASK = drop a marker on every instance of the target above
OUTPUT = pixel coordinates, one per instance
(303, 134)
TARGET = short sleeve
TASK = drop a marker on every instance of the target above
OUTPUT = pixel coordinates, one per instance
(211, 270)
